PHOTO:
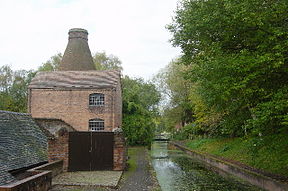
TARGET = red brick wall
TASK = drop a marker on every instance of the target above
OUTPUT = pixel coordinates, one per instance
(118, 107)
(58, 149)
(120, 151)
(72, 106)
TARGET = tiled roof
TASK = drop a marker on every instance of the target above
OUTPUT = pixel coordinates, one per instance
(76, 79)
(22, 144)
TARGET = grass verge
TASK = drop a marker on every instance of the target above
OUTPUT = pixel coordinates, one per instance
(269, 153)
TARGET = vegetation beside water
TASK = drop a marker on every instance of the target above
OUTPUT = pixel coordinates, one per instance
(228, 91)
(268, 153)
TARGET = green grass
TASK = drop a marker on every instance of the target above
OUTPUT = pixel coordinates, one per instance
(269, 153)
(132, 161)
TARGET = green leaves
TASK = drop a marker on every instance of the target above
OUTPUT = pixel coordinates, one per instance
(237, 52)
(140, 100)
(13, 89)
(106, 62)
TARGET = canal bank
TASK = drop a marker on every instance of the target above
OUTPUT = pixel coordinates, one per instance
(246, 174)
(179, 171)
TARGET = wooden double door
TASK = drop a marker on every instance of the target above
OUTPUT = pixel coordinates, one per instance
(89, 151)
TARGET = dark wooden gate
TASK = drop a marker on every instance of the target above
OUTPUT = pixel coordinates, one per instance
(90, 151)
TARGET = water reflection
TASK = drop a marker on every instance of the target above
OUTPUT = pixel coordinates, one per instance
(177, 171)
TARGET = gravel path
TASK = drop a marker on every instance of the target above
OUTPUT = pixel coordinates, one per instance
(141, 179)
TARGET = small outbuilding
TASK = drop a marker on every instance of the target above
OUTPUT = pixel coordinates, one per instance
(23, 146)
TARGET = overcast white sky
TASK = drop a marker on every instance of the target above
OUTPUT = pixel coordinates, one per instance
(134, 30)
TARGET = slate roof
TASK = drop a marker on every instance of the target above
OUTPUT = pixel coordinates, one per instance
(22, 144)
(76, 79)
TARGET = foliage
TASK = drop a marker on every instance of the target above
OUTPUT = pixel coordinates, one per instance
(140, 101)
(237, 53)
(13, 89)
(267, 152)
(103, 61)
(189, 131)
(174, 87)
(52, 64)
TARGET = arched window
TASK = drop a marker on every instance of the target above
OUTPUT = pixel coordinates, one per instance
(96, 124)
(96, 99)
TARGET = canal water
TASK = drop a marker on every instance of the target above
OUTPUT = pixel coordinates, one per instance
(177, 171)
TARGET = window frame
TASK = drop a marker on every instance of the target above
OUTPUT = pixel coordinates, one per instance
(96, 124)
(96, 99)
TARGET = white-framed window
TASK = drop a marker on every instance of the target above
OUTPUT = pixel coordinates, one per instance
(96, 99)
(96, 124)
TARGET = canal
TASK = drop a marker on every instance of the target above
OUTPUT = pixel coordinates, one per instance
(177, 171)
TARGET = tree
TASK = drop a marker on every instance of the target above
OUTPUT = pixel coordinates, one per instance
(13, 89)
(176, 89)
(52, 64)
(100, 59)
(238, 57)
(106, 62)
(6, 77)
(140, 101)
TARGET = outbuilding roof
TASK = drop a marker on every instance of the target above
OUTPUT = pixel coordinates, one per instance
(76, 79)
(51, 126)
(22, 144)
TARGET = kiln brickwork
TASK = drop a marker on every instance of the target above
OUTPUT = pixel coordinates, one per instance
(77, 55)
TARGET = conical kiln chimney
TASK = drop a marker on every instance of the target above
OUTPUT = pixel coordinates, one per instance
(77, 56)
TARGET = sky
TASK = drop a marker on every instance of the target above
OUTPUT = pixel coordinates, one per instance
(134, 30)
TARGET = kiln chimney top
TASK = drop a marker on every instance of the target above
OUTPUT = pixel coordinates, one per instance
(77, 56)
(78, 33)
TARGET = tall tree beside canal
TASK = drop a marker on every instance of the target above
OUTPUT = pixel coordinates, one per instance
(175, 90)
(140, 101)
(238, 57)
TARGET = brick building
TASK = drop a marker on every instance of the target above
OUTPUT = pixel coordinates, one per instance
(86, 99)
(70, 103)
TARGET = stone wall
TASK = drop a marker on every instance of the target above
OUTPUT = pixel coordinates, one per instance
(37, 181)
(56, 167)
(120, 151)
(72, 106)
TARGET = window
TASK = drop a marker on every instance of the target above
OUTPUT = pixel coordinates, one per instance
(96, 99)
(96, 124)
